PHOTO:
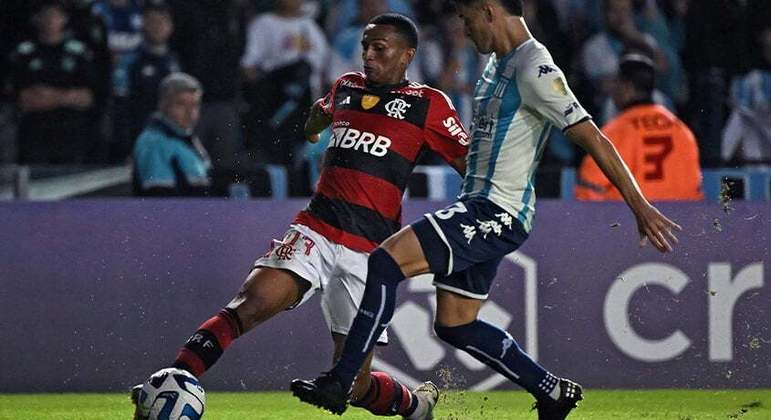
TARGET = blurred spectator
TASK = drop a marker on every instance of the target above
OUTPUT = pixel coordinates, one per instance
(671, 79)
(123, 19)
(14, 28)
(168, 159)
(53, 79)
(347, 12)
(659, 149)
(718, 46)
(747, 136)
(286, 53)
(601, 52)
(208, 38)
(457, 67)
(90, 29)
(543, 21)
(141, 71)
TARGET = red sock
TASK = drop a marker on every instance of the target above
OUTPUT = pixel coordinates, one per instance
(205, 347)
(387, 397)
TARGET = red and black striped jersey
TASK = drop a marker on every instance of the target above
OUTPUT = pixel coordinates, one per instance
(378, 135)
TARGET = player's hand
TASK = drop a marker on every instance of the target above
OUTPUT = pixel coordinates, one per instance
(312, 138)
(656, 228)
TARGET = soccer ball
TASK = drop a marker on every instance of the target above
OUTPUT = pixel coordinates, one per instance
(172, 394)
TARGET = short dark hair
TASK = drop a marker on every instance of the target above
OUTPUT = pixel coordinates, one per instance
(639, 70)
(157, 6)
(403, 25)
(514, 7)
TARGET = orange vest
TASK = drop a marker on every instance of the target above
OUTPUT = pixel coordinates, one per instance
(659, 149)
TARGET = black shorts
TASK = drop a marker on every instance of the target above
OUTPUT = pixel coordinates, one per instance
(465, 242)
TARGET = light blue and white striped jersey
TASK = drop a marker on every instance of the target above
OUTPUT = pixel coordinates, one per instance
(517, 100)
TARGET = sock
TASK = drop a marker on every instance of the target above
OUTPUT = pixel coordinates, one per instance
(205, 347)
(387, 397)
(375, 312)
(497, 349)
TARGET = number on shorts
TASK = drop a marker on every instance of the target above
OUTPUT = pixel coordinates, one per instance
(447, 213)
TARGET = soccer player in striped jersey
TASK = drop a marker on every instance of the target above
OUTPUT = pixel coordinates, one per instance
(382, 123)
(519, 98)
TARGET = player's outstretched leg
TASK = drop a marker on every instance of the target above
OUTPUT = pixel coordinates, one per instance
(386, 396)
(331, 390)
(494, 347)
(266, 292)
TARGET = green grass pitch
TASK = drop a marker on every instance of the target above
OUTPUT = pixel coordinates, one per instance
(498, 405)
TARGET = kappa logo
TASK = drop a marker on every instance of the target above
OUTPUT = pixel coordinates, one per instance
(545, 69)
(573, 106)
(397, 108)
(369, 101)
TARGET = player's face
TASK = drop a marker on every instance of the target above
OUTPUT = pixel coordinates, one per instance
(158, 27)
(385, 54)
(52, 20)
(476, 26)
(183, 109)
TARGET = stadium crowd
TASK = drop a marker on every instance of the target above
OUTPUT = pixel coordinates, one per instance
(80, 78)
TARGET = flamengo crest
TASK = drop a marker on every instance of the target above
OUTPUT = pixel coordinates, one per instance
(397, 108)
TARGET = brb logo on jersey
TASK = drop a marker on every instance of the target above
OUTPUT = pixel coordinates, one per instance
(351, 138)
(397, 108)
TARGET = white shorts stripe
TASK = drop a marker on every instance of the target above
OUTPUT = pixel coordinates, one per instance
(383, 292)
(459, 291)
(439, 232)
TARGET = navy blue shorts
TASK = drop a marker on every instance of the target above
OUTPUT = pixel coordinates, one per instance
(465, 242)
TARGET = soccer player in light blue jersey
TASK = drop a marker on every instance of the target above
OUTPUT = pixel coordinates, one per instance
(520, 96)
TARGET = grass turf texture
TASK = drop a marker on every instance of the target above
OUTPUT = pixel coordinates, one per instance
(498, 405)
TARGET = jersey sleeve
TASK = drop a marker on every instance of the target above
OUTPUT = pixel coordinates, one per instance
(444, 131)
(544, 89)
(328, 101)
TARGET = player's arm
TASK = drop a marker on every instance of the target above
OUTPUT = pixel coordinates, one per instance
(445, 133)
(319, 118)
(650, 222)
(550, 95)
(459, 164)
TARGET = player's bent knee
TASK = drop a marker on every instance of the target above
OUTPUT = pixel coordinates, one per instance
(450, 335)
(265, 293)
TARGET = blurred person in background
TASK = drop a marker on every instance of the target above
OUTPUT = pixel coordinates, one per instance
(719, 46)
(457, 65)
(123, 20)
(285, 57)
(208, 38)
(659, 149)
(348, 12)
(14, 28)
(91, 29)
(53, 79)
(168, 159)
(140, 72)
(601, 52)
(747, 135)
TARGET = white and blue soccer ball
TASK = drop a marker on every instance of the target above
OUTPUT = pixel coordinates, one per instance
(172, 394)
